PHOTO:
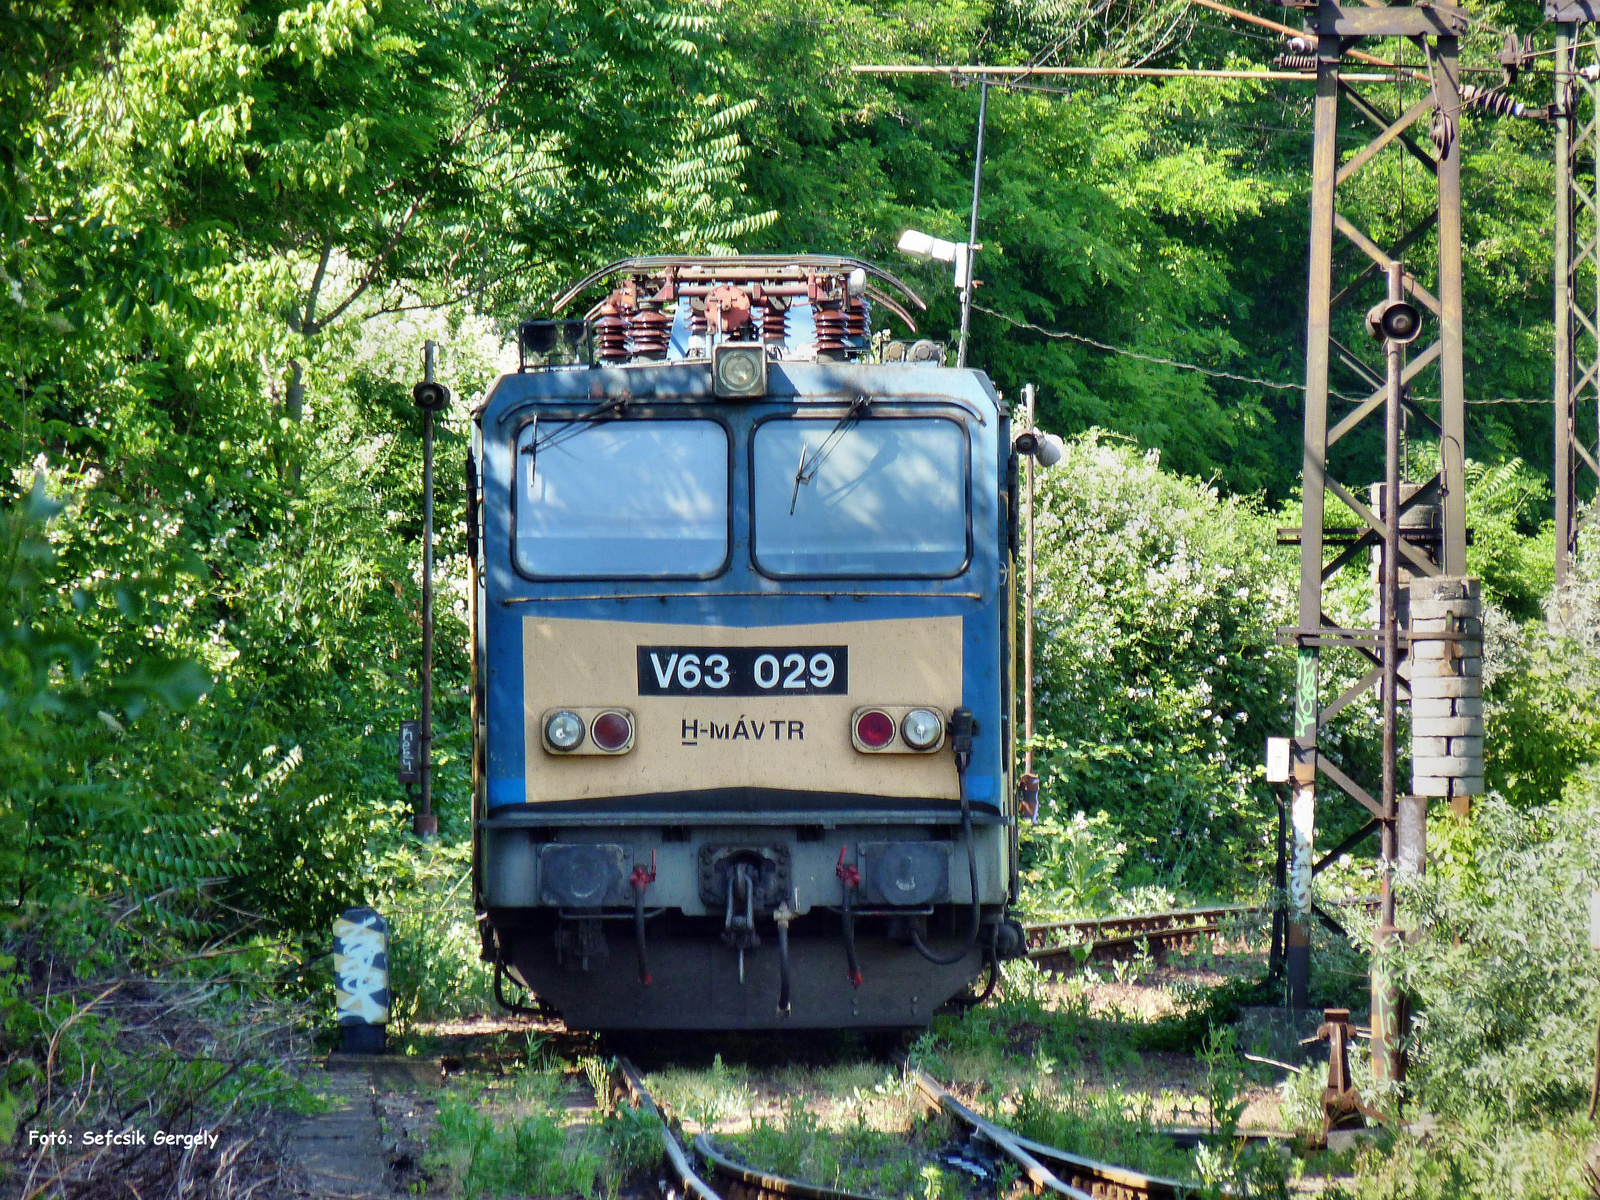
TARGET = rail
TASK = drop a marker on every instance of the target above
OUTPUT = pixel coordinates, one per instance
(740, 1182)
(1047, 1168)
(1055, 939)
(1050, 940)
(1044, 1166)
(691, 1183)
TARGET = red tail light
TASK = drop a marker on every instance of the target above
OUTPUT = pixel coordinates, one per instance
(611, 730)
(874, 729)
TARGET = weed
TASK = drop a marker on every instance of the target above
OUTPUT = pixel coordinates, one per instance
(478, 1154)
(1110, 1126)
(850, 1155)
(1198, 1012)
(704, 1098)
(634, 1139)
(1224, 1080)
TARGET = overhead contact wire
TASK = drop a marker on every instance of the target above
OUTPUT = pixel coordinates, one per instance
(1065, 335)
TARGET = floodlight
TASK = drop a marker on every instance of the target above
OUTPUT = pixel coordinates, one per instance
(926, 247)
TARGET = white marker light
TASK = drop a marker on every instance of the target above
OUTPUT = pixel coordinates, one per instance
(564, 730)
(921, 728)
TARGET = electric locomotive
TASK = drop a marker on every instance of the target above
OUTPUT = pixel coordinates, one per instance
(743, 668)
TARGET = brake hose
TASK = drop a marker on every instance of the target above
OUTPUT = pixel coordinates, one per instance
(783, 916)
(850, 879)
(961, 731)
(642, 879)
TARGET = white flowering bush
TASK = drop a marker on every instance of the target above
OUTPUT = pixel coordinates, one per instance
(1156, 673)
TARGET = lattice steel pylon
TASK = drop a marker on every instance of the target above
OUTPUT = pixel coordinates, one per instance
(1436, 29)
(1577, 331)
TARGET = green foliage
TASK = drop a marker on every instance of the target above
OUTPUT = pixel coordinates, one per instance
(524, 1151)
(1505, 990)
(1072, 864)
(434, 943)
(1541, 715)
(1157, 675)
(1481, 1157)
(88, 739)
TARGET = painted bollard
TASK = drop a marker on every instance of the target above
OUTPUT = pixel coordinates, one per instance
(361, 971)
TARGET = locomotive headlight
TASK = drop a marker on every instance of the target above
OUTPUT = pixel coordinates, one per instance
(922, 729)
(739, 372)
(564, 730)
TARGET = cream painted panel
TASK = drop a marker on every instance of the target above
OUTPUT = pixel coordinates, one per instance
(794, 742)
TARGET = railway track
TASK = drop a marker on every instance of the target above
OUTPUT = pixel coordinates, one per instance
(1067, 943)
(1045, 1168)
(1053, 941)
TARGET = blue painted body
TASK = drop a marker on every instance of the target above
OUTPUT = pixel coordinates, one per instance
(741, 595)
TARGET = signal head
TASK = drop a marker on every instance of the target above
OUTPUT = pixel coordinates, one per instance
(431, 397)
(1395, 321)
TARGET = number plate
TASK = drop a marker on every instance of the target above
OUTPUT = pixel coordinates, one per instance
(743, 671)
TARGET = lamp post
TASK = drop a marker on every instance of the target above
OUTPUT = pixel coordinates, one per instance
(430, 397)
(927, 248)
(972, 228)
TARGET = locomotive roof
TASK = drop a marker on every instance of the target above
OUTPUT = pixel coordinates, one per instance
(689, 382)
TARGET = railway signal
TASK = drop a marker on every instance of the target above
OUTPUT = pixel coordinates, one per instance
(431, 397)
(1046, 450)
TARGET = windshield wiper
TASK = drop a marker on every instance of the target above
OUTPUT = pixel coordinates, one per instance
(572, 426)
(807, 470)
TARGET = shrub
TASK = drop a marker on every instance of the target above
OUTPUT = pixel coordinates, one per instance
(1503, 985)
(1157, 674)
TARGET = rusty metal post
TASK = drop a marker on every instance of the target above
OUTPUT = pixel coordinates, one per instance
(1303, 803)
(1387, 1062)
(1562, 102)
(1452, 392)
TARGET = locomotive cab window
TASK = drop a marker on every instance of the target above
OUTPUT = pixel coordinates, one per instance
(622, 499)
(876, 497)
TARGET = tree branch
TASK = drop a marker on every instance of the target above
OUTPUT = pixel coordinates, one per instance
(371, 275)
(310, 323)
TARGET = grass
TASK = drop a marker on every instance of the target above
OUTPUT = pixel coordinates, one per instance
(704, 1099)
(519, 1139)
(852, 1155)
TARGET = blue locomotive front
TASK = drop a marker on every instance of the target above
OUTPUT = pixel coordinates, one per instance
(743, 662)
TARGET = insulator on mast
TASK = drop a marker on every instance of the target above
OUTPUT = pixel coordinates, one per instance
(1492, 100)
